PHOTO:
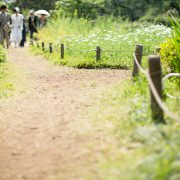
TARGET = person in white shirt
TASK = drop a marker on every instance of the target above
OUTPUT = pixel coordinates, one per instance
(17, 27)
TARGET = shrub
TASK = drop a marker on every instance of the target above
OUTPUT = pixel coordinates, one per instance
(169, 56)
(162, 19)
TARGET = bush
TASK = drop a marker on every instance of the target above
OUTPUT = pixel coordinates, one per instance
(169, 56)
(2, 55)
(162, 19)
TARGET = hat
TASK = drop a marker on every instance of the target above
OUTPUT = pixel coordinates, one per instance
(16, 9)
(31, 11)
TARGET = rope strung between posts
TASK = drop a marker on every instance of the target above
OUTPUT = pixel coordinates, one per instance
(142, 70)
(156, 95)
(108, 51)
(77, 50)
(168, 76)
(56, 48)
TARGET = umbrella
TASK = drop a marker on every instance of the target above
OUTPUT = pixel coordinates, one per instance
(42, 12)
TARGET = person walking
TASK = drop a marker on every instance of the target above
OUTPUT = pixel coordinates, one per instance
(33, 23)
(17, 27)
(5, 20)
(23, 34)
(43, 21)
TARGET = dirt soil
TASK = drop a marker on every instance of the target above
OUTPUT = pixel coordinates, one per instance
(43, 132)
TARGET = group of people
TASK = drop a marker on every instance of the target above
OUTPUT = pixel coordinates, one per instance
(13, 28)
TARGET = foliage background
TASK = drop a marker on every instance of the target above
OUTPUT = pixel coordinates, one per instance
(150, 10)
(132, 9)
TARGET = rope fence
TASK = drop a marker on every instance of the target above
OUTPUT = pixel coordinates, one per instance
(168, 76)
(98, 51)
(153, 88)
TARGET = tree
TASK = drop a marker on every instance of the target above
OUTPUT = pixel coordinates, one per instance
(35, 4)
(131, 9)
(80, 8)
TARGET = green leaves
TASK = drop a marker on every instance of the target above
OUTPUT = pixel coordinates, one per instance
(176, 33)
(131, 9)
(35, 4)
(176, 38)
(80, 8)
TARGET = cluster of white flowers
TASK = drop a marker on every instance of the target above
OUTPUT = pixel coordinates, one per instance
(114, 39)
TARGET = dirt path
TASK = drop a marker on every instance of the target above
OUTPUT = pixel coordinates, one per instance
(41, 130)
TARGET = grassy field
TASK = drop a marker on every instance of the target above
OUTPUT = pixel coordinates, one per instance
(145, 150)
(117, 40)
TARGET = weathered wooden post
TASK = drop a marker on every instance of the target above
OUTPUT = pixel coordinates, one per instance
(43, 46)
(98, 53)
(62, 51)
(156, 77)
(138, 53)
(50, 48)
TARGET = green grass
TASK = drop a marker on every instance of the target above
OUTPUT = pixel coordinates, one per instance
(111, 35)
(78, 61)
(145, 150)
(9, 76)
(6, 85)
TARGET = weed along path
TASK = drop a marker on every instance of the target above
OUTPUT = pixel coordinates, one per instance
(44, 132)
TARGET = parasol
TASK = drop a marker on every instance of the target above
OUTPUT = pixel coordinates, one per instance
(42, 12)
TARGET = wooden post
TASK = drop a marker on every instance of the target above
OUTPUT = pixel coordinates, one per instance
(50, 48)
(62, 51)
(98, 53)
(156, 77)
(43, 46)
(138, 53)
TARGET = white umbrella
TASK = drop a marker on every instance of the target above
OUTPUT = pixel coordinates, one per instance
(42, 12)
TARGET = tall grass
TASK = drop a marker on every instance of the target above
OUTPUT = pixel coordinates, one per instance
(176, 39)
(109, 34)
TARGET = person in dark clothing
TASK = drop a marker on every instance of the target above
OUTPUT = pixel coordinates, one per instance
(23, 35)
(33, 23)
